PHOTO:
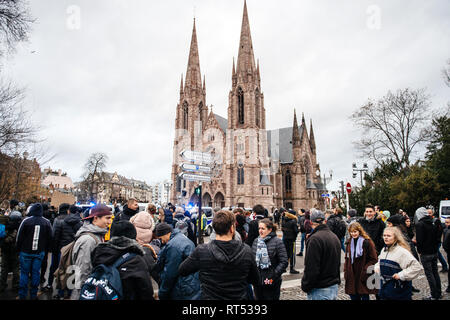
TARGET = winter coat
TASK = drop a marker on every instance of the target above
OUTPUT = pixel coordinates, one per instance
(12, 224)
(225, 269)
(33, 228)
(65, 230)
(427, 236)
(143, 222)
(374, 228)
(289, 227)
(126, 214)
(396, 260)
(82, 250)
(446, 241)
(277, 255)
(173, 286)
(322, 259)
(356, 274)
(57, 228)
(334, 222)
(135, 276)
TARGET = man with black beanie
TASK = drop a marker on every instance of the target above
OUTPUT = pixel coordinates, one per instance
(134, 273)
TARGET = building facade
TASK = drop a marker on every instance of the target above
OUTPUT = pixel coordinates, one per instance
(253, 165)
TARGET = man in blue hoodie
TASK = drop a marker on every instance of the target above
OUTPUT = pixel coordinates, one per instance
(33, 240)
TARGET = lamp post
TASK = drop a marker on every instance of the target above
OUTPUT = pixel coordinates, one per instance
(365, 168)
(325, 181)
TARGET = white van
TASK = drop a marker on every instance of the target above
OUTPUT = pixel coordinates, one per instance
(444, 210)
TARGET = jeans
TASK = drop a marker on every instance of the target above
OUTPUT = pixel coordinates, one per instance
(359, 297)
(429, 263)
(442, 259)
(302, 243)
(30, 264)
(343, 244)
(329, 293)
(53, 267)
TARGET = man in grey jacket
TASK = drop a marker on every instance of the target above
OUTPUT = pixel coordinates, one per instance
(91, 233)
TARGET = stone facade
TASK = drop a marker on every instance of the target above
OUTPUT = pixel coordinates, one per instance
(252, 165)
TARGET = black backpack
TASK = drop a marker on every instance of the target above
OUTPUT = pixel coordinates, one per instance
(104, 282)
(339, 227)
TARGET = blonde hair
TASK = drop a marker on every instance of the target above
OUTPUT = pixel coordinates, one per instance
(356, 226)
(399, 238)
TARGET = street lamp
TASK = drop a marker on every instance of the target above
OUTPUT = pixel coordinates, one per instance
(365, 168)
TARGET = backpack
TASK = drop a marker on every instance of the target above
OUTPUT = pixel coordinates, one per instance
(65, 268)
(340, 228)
(104, 282)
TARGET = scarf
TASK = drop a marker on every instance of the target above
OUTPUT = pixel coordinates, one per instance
(358, 251)
(262, 255)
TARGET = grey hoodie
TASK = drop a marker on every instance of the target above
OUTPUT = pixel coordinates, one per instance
(420, 213)
(81, 256)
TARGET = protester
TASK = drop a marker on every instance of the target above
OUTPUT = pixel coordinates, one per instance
(129, 210)
(271, 260)
(337, 224)
(240, 227)
(144, 225)
(151, 209)
(9, 253)
(176, 248)
(301, 227)
(397, 267)
(62, 237)
(136, 281)
(226, 266)
(428, 237)
(90, 234)
(360, 255)
(290, 231)
(373, 227)
(446, 246)
(33, 240)
(321, 275)
(253, 225)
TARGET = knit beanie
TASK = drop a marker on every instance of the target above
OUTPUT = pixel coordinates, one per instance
(162, 229)
(123, 228)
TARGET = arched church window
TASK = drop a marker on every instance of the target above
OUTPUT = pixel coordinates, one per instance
(185, 116)
(241, 105)
(288, 181)
(200, 109)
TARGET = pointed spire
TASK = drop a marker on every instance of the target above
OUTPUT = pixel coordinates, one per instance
(246, 58)
(234, 69)
(204, 83)
(193, 75)
(181, 86)
(257, 70)
(312, 140)
(295, 132)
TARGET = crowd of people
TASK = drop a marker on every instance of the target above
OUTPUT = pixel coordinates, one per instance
(125, 253)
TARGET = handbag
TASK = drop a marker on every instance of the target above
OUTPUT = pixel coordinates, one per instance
(267, 277)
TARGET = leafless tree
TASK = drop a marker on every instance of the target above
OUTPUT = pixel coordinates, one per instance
(15, 23)
(393, 126)
(93, 173)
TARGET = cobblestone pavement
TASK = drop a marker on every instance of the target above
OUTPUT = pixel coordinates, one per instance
(421, 283)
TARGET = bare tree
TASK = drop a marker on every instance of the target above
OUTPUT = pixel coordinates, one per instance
(93, 173)
(15, 23)
(393, 126)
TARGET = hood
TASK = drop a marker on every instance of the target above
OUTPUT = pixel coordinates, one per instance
(15, 216)
(290, 216)
(129, 212)
(386, 213)
(420, 213)
(108, 252)
(36, 210)
(227, 251)
(89, 227)
(72, 219)
(142, 220)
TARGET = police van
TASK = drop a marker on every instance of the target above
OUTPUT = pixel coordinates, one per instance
(444, 210)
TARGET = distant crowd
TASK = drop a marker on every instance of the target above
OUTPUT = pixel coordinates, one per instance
(112, 253)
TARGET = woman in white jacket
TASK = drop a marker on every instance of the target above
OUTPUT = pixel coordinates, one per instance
(396, 266)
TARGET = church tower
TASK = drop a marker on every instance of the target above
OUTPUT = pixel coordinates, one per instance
(191, 113)
(248, 178)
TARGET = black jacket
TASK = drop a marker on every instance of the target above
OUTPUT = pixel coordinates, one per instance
(322, 259)
(34, 228)
(126, 214)
(277, 254)
(289, 227)
(136, 282)
(334, 222)
(374, 229)
(65, 229)
(225, 269)
(57, 227)
(446, 241)
(427, 236)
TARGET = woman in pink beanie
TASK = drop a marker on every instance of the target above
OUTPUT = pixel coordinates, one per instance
(144, 225)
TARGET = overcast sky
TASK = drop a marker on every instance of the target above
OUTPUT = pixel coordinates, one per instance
(104, 75)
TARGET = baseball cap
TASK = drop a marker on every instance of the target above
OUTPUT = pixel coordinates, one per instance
(99, 210)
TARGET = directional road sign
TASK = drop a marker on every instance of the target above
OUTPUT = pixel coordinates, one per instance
(195, 168)
(195, 177)
(196, 156)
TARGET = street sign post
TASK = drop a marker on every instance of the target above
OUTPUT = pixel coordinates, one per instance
(348, 188)
(195, 177)
(195, 168)
(197, 156)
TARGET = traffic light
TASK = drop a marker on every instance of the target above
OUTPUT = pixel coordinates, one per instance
(354, 175)
(198, 190)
